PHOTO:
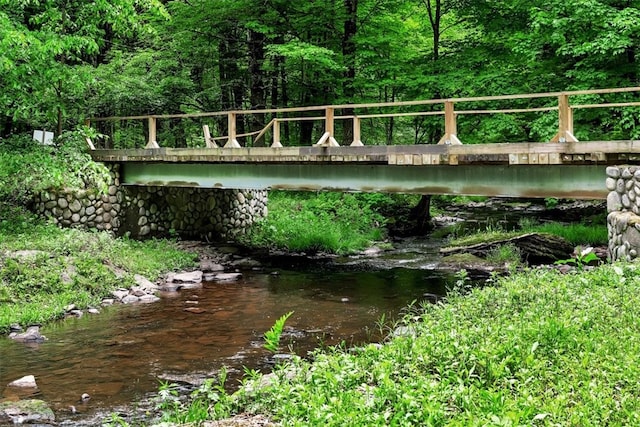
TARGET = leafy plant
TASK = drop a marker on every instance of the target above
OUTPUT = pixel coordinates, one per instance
(273, 335)
(317, 222)
(584, 257)
(505, 254)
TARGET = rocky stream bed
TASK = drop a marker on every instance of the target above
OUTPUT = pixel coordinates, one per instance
(226, 264)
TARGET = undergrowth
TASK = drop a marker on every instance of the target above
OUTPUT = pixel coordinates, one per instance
(574, 233)
(69, 266)
(320, 222)
(28, 167)
(538, 349)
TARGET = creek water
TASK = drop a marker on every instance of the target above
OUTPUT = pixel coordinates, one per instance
(120, 356)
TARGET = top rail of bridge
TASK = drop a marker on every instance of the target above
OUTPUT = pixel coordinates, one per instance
(450, 110)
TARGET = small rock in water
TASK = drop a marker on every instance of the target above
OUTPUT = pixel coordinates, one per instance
(28, 411)
(344, 299)
(120, 293)
(227, 277)
(195, 310)
(93, 311)
(15, 328)
(129, 299)
(185, 286)
(85, 397)
(210, 265)
(108, 301)
(32, 334)
(28, 381)
(190, 277)
(170, 287)
(147, 299)
(374, 250)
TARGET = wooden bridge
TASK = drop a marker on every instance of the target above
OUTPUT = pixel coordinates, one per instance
(562, 167)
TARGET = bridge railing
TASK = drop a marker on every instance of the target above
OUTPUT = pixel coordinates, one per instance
(327, 114)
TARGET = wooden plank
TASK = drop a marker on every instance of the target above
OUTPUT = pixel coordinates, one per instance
(543, 158)
(554, 159)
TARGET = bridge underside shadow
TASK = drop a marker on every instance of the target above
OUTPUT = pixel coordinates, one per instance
(537, 181)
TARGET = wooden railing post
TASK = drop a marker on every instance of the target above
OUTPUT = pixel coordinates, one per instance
(210, 143)
(152, 143)
(565, 121)
(450, 126)
(328, 140)
(356, 133)
(232, 142)
(276, 134)
(87, 123)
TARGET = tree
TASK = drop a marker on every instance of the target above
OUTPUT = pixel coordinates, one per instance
(44, 46)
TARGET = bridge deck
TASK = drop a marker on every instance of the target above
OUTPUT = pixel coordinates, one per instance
(592, 152)
(562, 170)
(564, 167)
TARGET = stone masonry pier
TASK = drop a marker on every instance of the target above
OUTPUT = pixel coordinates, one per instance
(623, 207)
(202, 213)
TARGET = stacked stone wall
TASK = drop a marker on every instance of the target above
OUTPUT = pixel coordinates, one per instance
(84, 208)
(202, 213)
(623, 207)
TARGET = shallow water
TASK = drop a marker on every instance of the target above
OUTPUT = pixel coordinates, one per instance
(120, 356)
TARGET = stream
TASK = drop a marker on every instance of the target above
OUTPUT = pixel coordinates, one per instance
(120, 356)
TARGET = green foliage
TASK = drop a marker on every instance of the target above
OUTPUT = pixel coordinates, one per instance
(322, 222)
(550, 202)
(44, 46)
(69, 266)
(505, 254)
(210, 400)
(583, 257)
(28, 167)
(538, 348)
(576, 234)
(272, 336)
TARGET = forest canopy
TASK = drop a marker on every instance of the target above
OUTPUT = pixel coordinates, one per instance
(62, 61)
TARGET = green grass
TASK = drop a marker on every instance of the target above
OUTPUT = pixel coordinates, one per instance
(535, 349)
(319, 222)
(71, 267)
(576, 234)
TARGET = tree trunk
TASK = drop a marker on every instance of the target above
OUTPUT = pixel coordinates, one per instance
(535, 248)
(348, 56)
(256, 74)
(421, 214)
